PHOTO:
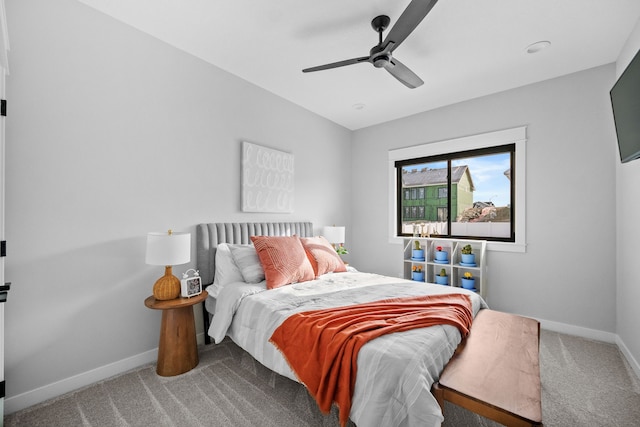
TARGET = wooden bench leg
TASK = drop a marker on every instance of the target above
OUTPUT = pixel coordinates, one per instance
(438, 394)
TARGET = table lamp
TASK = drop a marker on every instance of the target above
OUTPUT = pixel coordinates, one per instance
(168, 249)
(335, 236)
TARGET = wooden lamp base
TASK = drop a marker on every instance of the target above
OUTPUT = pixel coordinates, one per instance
(167, 287)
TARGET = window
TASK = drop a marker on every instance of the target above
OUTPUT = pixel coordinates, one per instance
(473, 187)
(471, 194)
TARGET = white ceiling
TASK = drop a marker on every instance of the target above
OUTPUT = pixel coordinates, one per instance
(463, 49)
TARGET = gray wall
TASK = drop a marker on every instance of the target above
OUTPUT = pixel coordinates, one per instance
(112, 134)
(567, 274)
(628, 232)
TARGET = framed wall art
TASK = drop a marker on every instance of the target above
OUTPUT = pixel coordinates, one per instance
(267, 179)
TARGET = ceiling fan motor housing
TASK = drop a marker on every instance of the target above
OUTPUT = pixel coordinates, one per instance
(379, 57)
(381, 61)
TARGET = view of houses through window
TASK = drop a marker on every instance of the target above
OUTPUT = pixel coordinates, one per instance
(468, 194)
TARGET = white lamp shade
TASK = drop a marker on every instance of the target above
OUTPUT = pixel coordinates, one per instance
(168, 248)
(334, 234)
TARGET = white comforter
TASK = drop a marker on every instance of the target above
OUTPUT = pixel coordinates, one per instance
(395, 371)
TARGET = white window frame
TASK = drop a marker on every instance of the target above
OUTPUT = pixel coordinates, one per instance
(517, 136)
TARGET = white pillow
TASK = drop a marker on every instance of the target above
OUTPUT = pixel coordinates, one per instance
(247, 261)
(226, 270)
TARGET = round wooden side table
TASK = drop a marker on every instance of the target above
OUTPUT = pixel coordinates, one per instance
(178, 350)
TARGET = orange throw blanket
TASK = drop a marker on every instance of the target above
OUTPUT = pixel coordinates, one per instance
(322, 346)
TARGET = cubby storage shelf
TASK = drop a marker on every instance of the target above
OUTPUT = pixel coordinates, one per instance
(455, 270)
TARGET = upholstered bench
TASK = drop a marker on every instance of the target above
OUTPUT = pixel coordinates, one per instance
(495, 372)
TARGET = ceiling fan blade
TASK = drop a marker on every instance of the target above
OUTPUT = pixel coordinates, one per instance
(337, 64)
(408, 21)
(400, 71)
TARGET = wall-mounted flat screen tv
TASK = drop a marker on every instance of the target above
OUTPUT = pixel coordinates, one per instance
(625, 100)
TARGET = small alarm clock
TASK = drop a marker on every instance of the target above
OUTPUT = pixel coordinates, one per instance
(190, 286)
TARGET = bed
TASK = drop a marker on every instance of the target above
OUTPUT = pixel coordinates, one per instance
(395, 371)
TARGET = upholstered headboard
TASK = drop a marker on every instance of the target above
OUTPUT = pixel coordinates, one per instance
(208, 236)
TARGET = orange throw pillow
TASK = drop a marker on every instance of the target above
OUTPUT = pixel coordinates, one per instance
(324, 259)
(283, 259)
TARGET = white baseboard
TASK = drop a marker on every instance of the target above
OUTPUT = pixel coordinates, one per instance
(49, 391)
(632, 361)
(578, 331)
(58, 388)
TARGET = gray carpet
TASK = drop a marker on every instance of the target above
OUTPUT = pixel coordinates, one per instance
(585, 383)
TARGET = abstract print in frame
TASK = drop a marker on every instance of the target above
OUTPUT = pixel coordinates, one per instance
(267, 179)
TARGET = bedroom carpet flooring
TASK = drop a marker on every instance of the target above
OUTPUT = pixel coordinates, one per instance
(584, 383)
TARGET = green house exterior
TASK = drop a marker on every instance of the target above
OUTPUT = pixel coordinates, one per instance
(424, 197)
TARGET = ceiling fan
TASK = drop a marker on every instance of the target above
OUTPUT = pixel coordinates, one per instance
(381, 54)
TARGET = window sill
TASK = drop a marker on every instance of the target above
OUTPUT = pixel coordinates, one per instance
(491, 246)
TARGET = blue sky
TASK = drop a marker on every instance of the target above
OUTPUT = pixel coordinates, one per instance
(488, 177)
